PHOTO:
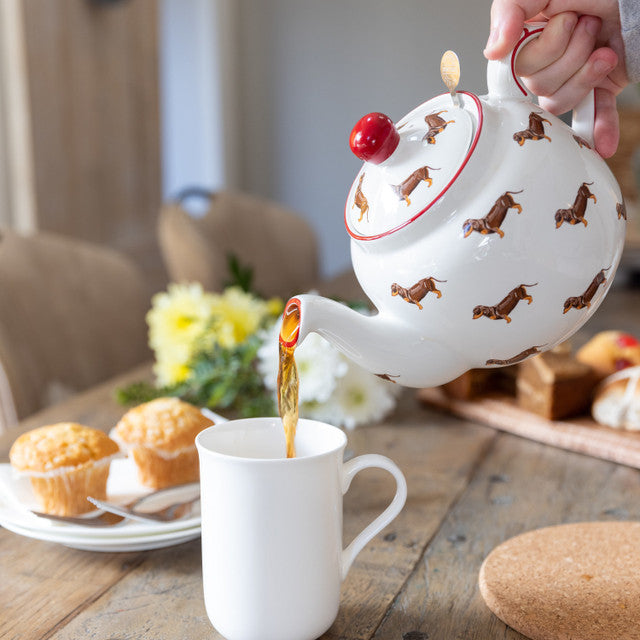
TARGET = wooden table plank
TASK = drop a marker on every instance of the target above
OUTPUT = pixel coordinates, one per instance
(43, 585)
(520, 486)
(438, 457)
(581, 433)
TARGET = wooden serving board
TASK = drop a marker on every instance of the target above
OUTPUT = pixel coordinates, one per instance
(581, 434)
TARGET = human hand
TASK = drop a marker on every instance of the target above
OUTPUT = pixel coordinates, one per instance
(579, 49)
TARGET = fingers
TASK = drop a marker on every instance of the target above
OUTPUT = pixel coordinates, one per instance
(564, 58)
(549, 46)
(507, 20)
(606, 132)
(592, 74)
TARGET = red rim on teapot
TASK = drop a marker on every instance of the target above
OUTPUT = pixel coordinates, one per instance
(421, 158)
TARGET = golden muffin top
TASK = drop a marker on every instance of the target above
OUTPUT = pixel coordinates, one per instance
(65, 444)
(168, 424)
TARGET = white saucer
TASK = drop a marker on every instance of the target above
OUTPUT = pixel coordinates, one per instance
(120, 543)
(17, 499)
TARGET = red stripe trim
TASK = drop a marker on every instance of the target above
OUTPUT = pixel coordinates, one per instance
(447, 187)
(296, 303)
(514, 54)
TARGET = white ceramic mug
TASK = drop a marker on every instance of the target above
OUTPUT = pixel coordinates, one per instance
(272, 553)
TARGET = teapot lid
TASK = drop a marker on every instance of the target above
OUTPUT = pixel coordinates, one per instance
(409, 166)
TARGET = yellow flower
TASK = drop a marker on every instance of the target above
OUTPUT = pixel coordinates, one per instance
(169, 372)
(238, 315)
(275, 306)
(177, 320)
(185, 319)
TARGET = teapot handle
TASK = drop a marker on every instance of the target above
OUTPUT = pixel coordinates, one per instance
(503, 82)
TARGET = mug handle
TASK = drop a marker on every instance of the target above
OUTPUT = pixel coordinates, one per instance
(350, 469)
(502, 82)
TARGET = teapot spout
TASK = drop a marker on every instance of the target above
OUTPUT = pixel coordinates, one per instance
(381, 344)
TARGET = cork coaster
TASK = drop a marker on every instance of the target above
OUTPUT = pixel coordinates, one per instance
(568, 582)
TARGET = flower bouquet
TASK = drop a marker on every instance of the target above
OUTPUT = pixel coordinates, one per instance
(221, 351)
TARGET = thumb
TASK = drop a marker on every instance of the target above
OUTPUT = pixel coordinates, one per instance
(507, 21)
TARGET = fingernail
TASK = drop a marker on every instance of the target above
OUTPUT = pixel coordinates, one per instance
(601, 67)
(569, 23)
(592, 26)
(493, 38)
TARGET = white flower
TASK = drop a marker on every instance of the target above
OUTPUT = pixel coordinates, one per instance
(319, 365)
(360, 398)
(332, 388)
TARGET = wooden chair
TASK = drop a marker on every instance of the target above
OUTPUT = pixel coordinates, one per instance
(275, 242)
(72, 314)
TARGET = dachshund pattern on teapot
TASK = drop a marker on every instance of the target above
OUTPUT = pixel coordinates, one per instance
(621, 210)
(576, 212)
(493, 225)
(406, 188)
(584, 299)
(502, 310)
(416, 293)
(535, 130)
(360, 201)
(436, 125)
(493, 220)
(523, 355)
(581, 142)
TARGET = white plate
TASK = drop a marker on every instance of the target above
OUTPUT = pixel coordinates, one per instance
(17, 499)
(135, 543)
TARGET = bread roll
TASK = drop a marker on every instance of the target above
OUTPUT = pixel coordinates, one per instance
(617, 400)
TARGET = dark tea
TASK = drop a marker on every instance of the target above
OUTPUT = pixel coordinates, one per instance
(288, 376)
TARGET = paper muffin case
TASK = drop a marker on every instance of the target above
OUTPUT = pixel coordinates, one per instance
(158, 469)
(64, 491)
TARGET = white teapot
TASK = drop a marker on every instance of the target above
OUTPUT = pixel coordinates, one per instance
(484, 232)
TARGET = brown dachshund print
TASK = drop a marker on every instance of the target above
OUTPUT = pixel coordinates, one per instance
(575, 213)
(584, 300)
(502, 310)
(492, 221)
(523, 355)
(535, 131)
(360, 201)
(582, 142)
(436, 125)
(621, 210)
(404, 189)
(388, 377)
(418, 291)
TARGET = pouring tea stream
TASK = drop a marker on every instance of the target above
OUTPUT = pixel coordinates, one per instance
(483, 234)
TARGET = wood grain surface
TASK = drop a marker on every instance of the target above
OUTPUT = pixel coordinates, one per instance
(580, 434)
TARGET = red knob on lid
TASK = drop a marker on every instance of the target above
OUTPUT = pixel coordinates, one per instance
(374, 138)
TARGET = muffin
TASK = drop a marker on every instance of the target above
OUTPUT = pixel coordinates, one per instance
(66, 462)
(610, 351)
(160, 437)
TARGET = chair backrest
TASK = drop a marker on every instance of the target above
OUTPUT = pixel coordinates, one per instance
(72, 314)
(277, 243)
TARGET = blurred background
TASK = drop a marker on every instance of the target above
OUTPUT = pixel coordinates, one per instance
(109, 108)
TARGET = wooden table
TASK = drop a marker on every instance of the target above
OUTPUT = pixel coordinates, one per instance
(470, 488)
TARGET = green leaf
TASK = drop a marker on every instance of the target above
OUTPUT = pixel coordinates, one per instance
(239, 275)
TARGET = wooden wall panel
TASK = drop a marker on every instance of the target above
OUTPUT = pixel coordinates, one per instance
(93, 92)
